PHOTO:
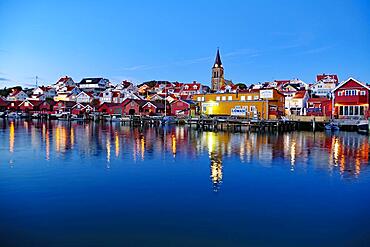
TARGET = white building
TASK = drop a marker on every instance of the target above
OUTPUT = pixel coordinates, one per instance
(295, 103)
(17, 95)
(84, 97)
(93, 84)
(324, 85)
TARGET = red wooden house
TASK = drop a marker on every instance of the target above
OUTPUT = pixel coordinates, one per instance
(153, 108)
(3, 104)
(63, 106)
(181, 107)
(319, 107)
(13, 105)
(30, 105)
(133, 106)
(111, 108)
(82, 108)
(351, 99)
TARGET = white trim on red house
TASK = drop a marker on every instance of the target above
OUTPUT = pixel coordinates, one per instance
(349, 79)
(149, 103)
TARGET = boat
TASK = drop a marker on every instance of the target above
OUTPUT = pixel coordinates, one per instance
(35, 115)
(332, 126)
(64, 116)
(77, 118)
(168, 120)
(363, 126)
(116, 118)
(13, 115)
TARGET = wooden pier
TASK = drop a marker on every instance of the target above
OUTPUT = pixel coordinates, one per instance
(233, 124)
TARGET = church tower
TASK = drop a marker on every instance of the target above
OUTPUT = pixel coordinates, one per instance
(218, 80)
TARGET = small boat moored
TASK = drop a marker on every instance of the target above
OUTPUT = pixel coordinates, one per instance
(332, 126)
(363, 126)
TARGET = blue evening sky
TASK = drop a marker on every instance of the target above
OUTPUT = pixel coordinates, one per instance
(177, 40)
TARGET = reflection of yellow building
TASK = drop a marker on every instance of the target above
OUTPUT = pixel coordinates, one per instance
(216, 170)
(11, 137)
(265, 104)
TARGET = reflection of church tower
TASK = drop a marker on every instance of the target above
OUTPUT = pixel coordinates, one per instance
(217, 73)
(216, 170)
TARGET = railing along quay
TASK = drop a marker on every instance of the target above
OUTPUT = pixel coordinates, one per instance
(234, 124)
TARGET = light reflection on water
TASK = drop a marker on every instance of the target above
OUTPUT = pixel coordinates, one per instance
(93, 183)
(344, 153)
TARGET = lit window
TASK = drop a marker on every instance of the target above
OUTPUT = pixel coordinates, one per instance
(242, 98)
(249, 97)
(230, 98)
(202, 98)
(256, 97)
(199, 98)
(223, 98)
(218, 98)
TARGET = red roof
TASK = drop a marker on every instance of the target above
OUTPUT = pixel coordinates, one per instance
(191, 86)
(14, 92)
(323, 77)
(64, 79)
(116, 94)
(233, 87)
(300, 94)
(318, 100)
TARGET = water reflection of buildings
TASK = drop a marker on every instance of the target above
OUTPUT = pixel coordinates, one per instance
(346, 153)
(216, 170)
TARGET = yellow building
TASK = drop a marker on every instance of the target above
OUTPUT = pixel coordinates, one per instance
(261, 104)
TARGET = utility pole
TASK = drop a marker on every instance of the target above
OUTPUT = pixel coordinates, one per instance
(165, 99)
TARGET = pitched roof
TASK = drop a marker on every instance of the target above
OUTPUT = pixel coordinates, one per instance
(33, 102)
(318, 100)
(15, 93)
(64, 79)
(349, 79)
(218, 59)
(324, 77)
(90, 80)
(300, 94)
(110, 104)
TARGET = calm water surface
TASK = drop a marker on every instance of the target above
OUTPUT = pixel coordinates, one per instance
(64, 184)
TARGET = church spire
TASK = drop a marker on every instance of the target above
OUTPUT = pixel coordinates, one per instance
(218, 62)
(218, 80)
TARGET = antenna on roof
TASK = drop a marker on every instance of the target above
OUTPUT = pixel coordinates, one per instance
(36, 80)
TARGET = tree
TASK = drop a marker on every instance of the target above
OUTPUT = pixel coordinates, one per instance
(241, 86)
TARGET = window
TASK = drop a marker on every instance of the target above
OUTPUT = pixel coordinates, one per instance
(351, 110)
(223, 98)
(363, 93)
(345, 110)
(229, 98)
(253, 108)
(361, 110)
(218, 98)
(340, 93)
(341, 110)
(242, 98)
(198, 99)
(256, 97)
(249, 97)
(202, 98)
(356, 110)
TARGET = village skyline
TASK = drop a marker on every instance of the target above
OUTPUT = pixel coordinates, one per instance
(143, 41)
